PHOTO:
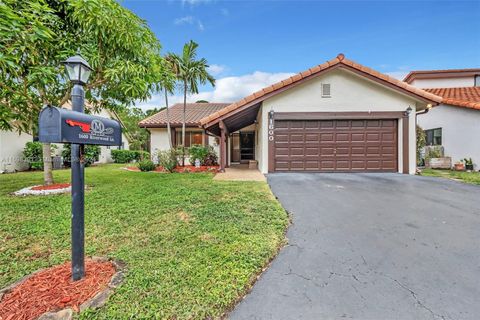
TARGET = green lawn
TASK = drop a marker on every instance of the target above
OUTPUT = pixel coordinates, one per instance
(467, 177)
(193, 245)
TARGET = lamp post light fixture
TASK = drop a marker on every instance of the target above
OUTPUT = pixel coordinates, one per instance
(78, 71)
(408, 111)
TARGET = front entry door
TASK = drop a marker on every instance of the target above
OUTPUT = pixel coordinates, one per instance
(247, 146)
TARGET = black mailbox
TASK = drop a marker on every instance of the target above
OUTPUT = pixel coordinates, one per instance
(65, 126)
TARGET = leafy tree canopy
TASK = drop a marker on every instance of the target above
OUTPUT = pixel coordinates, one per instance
(37, 35)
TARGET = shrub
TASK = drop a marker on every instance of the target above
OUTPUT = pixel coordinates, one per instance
(168, 159)
(421, 142)
(206, 155)
(126, 156)
(146, 165)
(91, 154)
(33, 154)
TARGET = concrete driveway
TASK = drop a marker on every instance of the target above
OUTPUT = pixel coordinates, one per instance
(372, 246)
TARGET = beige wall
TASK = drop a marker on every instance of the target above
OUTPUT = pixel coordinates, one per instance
(444, 83)
(11, 151)
(349, 92)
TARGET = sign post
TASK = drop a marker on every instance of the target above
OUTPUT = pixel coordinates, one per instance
(57, 125)
(78, 194)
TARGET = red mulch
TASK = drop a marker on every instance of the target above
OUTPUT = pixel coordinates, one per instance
(52, 186)
(183, 169)
(52, 289)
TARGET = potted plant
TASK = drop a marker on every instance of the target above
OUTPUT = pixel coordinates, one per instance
(468, 164)
(459, 166)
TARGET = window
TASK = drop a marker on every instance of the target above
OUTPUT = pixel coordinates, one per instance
(477, 80)
(191, 138)
(326, 90)
(433, 137)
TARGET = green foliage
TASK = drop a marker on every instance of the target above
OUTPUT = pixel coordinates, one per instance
(468, 161)
(192, 245)
(33, 154)
(146, 165)
(126, 156)
(91, 154)
(138, 136)
(433, 152)
(168, 159)
(206, 155)
(421, 142)
(37, 35)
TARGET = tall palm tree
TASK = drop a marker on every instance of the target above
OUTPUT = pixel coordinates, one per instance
(167, 83)
(190, 72)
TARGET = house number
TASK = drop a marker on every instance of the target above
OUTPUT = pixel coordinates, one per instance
(270, 127)
(270, 132)
(270, 138)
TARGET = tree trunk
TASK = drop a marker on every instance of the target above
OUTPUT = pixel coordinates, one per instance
(183, 122)
(169, 129)
(47, 164)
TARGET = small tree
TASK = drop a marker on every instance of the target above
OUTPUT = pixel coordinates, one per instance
(37, 35)
(190, 72)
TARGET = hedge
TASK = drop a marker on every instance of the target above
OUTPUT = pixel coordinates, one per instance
(126, 156)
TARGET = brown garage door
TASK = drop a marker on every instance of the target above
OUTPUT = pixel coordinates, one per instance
(335, 145)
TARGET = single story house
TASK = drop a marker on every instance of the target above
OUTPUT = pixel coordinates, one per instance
(455, 123)
(338, 116)
(13, 143)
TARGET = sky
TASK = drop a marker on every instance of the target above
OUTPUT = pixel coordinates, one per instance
(252, 44)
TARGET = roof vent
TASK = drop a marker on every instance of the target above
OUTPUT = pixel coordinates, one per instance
(326, 90)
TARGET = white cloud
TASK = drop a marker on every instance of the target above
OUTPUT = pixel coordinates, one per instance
(216, 69)
(195, 2)
(200, 25)
(400, 75)
(227, 89)
(184, 20)
(189, 20)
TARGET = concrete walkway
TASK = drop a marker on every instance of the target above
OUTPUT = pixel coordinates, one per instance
(240, 172)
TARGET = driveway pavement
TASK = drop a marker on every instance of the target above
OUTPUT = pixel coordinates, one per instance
(372, 246)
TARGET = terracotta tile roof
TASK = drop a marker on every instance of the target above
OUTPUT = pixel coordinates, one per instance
(467, 97)
(339, 61)
(428, 74)
(194, 112)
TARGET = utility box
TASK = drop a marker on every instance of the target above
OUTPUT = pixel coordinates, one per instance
(57, 125)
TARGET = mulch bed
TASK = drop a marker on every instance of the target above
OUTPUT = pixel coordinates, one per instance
(52, 289)
(52, 186)
(181, 169)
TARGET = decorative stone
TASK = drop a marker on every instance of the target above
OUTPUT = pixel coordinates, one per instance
(97, 301)
(65, 314)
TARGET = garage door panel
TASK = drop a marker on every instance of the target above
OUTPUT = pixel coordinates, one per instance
(336, 145)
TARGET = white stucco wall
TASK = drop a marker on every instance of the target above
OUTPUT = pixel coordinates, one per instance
(460, 131)
(11, 151)
(444, 83)
(349, 92)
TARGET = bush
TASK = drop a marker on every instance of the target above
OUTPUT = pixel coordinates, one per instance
(91, 154)
(126, 156)
(168, 159)
(421, 142)
(33, 154)
(206, 155)
(146, 165)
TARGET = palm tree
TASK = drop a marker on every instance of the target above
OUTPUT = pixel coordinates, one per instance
(190, 72)
(167, 83)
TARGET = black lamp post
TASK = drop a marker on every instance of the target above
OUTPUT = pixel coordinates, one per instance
(78, 71)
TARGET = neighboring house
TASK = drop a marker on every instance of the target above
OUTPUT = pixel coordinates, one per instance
(455, 123)
(12, 144)
(337, 116)
(157, 126)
